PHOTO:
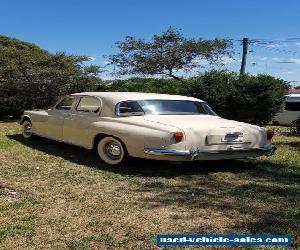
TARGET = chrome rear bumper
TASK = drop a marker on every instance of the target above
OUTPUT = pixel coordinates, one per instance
(198, 153)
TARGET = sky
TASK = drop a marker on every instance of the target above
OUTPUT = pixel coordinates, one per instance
(91, 27)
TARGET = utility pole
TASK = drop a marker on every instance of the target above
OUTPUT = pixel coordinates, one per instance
(244, 58)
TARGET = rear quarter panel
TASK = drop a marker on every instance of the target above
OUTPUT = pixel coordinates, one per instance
(137, 135)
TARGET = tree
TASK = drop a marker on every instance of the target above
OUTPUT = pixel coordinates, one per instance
(166, 54)
(31, 77)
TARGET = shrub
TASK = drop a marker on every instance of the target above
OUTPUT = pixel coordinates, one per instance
(252, 99)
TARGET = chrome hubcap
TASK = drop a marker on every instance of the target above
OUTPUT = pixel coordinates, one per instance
(27, 129)
(113, 150)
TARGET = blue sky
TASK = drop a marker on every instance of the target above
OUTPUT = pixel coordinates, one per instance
(91, 27)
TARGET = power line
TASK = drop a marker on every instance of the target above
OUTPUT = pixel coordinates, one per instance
(270, 44)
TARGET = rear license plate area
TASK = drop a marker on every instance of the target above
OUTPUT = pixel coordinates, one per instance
(226, 139)
(232, 138)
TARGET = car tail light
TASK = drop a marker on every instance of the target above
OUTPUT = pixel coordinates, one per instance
(270, 134)
(178, 136)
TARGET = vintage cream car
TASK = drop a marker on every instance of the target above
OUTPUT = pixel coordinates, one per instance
(144, 125)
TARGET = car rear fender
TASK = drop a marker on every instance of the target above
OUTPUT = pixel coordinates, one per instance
(24, 118)
(137, 137)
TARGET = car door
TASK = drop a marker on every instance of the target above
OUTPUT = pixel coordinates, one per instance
(76, 127)
(57, 115)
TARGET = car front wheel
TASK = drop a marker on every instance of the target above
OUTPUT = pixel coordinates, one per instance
(112, 151)
(27, 129)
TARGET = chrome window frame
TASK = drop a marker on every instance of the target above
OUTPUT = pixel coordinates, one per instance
(117, 110)
(88, 113)
(74, 103)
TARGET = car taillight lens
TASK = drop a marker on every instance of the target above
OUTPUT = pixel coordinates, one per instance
(270, 134)
(178, 136)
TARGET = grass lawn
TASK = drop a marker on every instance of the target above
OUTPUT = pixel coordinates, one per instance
(57, 196)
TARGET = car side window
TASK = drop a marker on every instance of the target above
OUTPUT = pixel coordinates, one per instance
(129, 108)
(89, 104)
(292, 106)
(66, 104)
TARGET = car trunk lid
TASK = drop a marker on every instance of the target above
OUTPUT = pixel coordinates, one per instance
(213, 132)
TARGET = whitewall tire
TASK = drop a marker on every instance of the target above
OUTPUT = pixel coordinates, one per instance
(112, 151)
(27, 129)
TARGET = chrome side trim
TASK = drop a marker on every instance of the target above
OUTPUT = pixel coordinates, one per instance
(156, 151)
(197, 152)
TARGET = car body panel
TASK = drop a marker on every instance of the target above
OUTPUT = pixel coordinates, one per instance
(205, 137)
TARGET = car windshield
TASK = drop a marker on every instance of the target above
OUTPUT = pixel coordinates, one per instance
(164, 107)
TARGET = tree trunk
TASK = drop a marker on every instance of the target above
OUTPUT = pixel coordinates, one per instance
(177, 78)
(174, 77)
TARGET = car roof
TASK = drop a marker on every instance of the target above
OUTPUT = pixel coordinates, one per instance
(125, 96)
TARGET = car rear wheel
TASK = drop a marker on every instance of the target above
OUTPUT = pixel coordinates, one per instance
(112, 151)
(27, 129)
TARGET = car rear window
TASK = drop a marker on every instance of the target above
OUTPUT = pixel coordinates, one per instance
(169, 107)
(163, 107)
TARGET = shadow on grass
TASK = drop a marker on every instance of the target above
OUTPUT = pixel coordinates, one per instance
(137, 167)
(294, 144)
(151, 168)
(267, 202)
(8, 119)
(256, 201)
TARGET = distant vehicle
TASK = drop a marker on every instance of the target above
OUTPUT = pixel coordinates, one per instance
(291, 111)
(153, 126)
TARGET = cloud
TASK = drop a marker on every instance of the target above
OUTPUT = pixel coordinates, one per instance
(222, 60)
(288, 72)
(298, 44)
(295, 60)
(105, 62)
(291, 61)
(200, 61)
(92, 58)
(263, 58)
(226, 59)
(258, 58)
(274, 45)
(275, 58)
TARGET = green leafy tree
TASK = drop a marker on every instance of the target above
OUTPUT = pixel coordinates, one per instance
(31, 77)
(166, 54)
(148, 85)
